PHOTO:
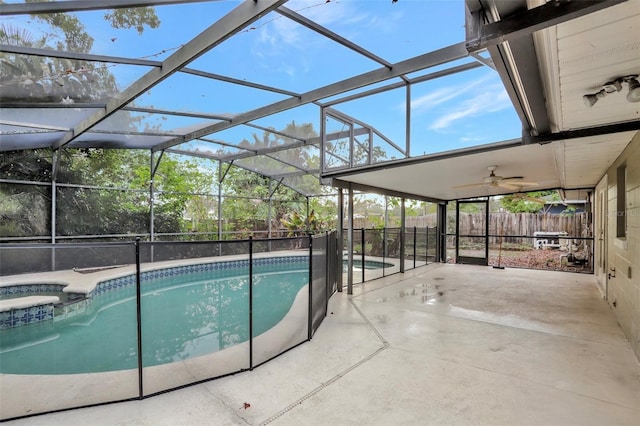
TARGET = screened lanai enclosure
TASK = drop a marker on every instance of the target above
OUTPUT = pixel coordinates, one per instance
(184, 184)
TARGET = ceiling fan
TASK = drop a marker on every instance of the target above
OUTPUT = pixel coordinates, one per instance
(514, 183)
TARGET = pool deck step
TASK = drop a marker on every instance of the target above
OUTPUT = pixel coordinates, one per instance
(26, 302)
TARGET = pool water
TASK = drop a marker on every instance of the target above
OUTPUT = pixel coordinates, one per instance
(182, 317)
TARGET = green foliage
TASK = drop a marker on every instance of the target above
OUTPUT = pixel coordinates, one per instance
(108, 206)
(326, 209)
(531, 202)
(23, 213)
(27, 78)
(296, 223)
(133, 18)
(469, 208)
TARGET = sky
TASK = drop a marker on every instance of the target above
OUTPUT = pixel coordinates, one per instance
(461, 110)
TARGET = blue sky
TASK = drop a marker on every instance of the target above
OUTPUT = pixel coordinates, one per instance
(466, 109)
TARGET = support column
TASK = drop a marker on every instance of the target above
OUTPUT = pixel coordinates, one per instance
(350, 242)
(308, 224)
(54, 191)
(441, 234)
(219, 200)
(151, 200)
(402, 236)
(386, 211)
(269, 213)
(340, 226)
(408, 121)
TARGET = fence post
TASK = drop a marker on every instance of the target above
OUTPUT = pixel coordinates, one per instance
(327, 281)
(139, 317)
(384, 249)
(415, 254)
(426, 246)
(363, 245)
(250, 303)
(310, 313)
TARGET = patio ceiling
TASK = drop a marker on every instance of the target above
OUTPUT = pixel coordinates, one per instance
(546, 55)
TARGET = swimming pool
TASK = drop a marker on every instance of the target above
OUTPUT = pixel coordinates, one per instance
(184, 315)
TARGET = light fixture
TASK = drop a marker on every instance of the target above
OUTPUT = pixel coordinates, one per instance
(615, 86)
(634, 88)
(590, 100)
(612, 86)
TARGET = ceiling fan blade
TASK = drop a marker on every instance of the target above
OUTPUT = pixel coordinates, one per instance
(515, 180)
(513, 183)
(509, 185)
(470, 185)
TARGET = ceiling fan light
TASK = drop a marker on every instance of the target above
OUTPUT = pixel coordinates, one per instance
(634, 90)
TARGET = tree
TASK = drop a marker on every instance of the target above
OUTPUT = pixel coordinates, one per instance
(26, 78)
(531, 202)
(252, 190)
(297, 224)
(45, 79)
(115, 201)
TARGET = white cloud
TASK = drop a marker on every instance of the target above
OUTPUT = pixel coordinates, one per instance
(432, 99)
(282, 31)
(493, 98)
(339, 16)
(444, 94)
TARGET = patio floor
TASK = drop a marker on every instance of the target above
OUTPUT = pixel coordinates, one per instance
(441, 344)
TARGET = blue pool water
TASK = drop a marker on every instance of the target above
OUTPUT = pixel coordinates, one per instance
(182, 317)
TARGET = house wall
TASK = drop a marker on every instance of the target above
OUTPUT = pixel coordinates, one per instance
(623, 254)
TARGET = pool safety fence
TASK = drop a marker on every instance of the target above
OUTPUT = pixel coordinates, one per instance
(386, 251)
(144, 318)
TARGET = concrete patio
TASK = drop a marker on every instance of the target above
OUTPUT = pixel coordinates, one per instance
(442, 344)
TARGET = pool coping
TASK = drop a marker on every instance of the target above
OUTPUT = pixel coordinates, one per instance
(27, 302)
(84, 284)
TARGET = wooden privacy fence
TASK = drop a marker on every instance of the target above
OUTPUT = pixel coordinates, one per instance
(514, 225)
(528, 223)
(427, 221)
